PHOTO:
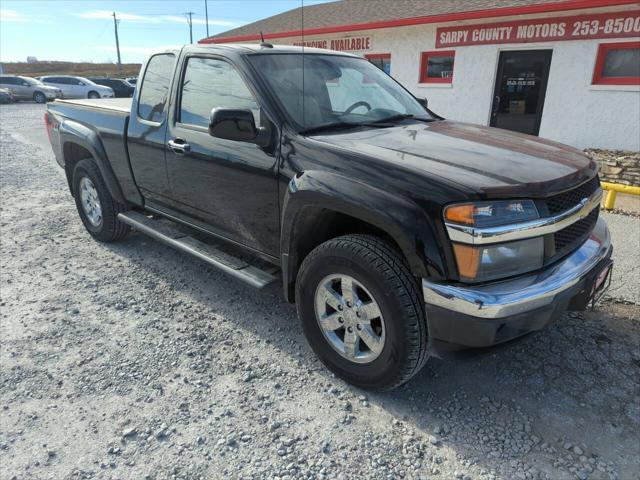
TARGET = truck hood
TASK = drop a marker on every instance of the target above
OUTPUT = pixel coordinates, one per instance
(490, 161)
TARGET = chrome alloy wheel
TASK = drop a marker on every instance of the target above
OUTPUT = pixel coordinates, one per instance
(90, 202)
(350, 318)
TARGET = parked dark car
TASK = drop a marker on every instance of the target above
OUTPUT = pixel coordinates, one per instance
(396, 232)
(121, 88)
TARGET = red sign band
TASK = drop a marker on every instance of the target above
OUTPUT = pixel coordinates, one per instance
(580, 27)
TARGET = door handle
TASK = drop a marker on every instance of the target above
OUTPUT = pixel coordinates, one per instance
(496, 105)
(179, 146)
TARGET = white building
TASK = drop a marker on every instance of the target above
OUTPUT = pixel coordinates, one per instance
(565, 70)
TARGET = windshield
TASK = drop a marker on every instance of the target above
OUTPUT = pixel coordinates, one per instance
(330, 90)
(31, 81)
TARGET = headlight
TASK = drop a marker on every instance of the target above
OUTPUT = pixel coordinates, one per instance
(489, 262)
(496, 260)
(491, 214)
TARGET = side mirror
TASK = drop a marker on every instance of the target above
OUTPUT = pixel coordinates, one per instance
(424, 102)
(236, 124)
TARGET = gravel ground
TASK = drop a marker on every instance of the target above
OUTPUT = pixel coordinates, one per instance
(131, 360)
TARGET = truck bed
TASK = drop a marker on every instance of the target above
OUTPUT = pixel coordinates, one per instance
(115, 104)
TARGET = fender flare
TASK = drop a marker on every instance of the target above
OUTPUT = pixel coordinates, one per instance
(399, 217)
(76, 133)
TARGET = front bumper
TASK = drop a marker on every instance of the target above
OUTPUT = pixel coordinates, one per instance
(483, 315)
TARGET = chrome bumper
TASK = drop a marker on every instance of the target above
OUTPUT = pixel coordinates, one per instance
(526, 293)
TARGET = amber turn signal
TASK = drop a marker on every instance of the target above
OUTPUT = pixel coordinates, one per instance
(468, 260)
(461, 213)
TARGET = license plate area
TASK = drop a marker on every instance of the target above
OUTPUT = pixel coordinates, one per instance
(601, 283)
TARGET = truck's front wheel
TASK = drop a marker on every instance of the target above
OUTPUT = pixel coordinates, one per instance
(97, 208)
(361, 311)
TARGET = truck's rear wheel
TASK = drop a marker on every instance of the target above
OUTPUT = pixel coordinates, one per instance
(362, 312)
(97, 208)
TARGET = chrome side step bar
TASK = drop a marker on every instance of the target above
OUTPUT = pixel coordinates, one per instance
(182, 241)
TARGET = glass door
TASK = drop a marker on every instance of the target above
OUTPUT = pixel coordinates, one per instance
(520, 88)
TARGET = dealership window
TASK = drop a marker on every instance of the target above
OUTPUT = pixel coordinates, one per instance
(437, 67)
(381, 60)
(617, 64)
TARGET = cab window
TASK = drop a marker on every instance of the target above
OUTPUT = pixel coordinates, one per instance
(209, 83)
(155, 87)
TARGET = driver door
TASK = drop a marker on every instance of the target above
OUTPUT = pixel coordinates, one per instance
(228, 186)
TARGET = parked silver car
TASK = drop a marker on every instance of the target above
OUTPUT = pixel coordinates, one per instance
(77, 87)
(6, 96)
(27, 88)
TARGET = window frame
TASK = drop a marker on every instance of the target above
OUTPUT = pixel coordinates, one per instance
(424, 62)
(603, 49)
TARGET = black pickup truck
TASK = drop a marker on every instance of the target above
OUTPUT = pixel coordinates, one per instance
(397, 233)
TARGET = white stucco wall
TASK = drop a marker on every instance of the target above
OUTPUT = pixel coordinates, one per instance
(575, 112)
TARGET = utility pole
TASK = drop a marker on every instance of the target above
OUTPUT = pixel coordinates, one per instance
(115, 26)
(190, 26)
(206, 15)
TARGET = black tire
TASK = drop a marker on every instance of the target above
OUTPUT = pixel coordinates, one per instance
(93, 94)
(39, 97)
(383, 271)
(110, 228)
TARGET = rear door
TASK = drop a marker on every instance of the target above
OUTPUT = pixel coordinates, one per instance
(228, 185)
(147, 128)
(62, 84)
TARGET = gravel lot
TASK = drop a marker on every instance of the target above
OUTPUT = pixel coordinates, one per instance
(131, 360)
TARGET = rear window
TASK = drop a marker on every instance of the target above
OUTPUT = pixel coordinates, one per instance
(8, 80)
(155, 87)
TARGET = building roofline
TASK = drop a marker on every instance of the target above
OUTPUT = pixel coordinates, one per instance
(563, 5)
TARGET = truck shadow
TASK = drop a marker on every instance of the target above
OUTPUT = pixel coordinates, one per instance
(569, 384)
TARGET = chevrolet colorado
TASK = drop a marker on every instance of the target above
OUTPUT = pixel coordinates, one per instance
(396, 232)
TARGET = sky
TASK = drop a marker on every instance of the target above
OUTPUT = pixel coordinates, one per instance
(83, 30)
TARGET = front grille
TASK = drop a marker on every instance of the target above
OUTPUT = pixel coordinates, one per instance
(571, 237)
(564, 201)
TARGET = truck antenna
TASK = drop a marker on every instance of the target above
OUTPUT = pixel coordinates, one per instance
(263, 43)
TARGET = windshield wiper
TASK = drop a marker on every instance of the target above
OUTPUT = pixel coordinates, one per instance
(339, 126)
(403, 116)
